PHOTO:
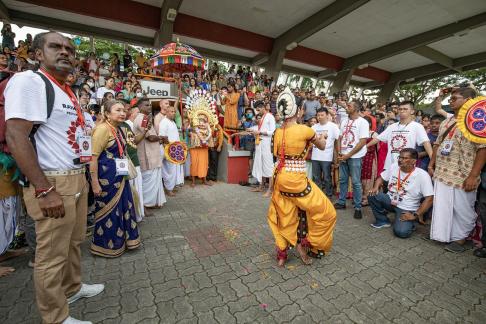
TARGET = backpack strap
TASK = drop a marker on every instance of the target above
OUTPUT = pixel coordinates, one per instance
(50, 96)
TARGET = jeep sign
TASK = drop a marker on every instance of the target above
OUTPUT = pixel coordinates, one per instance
(156, 90)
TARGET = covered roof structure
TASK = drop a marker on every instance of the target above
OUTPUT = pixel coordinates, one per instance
(370, 43)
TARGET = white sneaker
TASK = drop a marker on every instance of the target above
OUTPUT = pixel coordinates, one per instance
(71, 320)
(86, 291)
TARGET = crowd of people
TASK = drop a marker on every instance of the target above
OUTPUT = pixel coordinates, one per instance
(92, 155)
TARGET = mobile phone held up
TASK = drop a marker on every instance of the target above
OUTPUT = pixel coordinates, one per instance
(145, 121)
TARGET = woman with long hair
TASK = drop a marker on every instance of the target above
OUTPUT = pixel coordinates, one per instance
(115, 219)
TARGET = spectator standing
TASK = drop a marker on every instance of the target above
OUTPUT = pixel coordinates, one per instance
(311, 105)
(150, 157)
(172, 174)
(433, 133)
(263, 161)
(457, 163)
(8, 37)
(322, 159)
(132, 142)
(369, 168)
(127, 60)
(231, 108)
(214, 150)
(352, 148)
(407, 133)
(115, 218)
(57, 195)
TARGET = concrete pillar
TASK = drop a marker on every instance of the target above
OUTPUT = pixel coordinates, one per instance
(387, 91)
(341, 81)
(274, 64)
(91, 44)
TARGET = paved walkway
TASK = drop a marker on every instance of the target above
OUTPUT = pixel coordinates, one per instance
(208, 257)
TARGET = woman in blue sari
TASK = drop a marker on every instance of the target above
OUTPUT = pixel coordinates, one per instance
(115, 221)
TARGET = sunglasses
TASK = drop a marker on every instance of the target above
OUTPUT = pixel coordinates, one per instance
(454, 98)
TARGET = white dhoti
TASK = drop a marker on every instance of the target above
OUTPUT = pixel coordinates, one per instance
(137, 184)
(153, 188)
(263, 161)
(8, 211)
(169, 175)
(453, 216)
(187, 165)
(180, 175)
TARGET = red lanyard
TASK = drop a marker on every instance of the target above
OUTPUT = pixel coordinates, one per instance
(117, 139)
(67, 90)
(399, 182)
(261, 121)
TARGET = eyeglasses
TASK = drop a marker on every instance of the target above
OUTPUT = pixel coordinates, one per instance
(454, 98)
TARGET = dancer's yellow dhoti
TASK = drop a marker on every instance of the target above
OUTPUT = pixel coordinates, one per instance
(294, 191)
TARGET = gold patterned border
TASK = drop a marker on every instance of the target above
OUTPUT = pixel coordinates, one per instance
(102, 213)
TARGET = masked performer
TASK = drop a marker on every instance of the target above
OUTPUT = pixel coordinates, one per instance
(300, 214)
(203, 119)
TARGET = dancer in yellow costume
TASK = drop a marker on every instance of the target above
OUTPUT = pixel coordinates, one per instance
(300, 214)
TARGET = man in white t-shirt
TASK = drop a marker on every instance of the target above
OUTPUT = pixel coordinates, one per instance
(352, 149)
(410, 195)
(322, 159)
(405, 134)
(57, 196)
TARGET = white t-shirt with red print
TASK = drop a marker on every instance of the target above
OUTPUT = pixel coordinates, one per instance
(400, 136)
(352, 131)
(413, 187)
(25, 98)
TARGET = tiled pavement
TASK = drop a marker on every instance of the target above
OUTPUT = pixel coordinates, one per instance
(208, 257)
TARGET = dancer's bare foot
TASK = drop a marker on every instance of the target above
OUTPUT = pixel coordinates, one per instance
(208, 183)
(281, 262)
(193, 185)
(258, 189)
(170, 193)
(12, 254)
(303, 255)
(5, 271)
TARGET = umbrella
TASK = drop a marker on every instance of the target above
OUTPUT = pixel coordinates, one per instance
(178, 58)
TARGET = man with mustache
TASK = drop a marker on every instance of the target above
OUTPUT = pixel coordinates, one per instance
(56, 197)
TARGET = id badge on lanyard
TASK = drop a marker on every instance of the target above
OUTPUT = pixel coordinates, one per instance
(84, 143)
(121, 167)
(446, 147)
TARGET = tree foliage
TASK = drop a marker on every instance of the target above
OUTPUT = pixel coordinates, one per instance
(421, 91)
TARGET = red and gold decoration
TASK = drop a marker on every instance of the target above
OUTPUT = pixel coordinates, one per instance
(471, 120)
(177, 58)
(176, 152)
(201, 105)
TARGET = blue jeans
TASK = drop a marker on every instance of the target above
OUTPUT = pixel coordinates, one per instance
(322, 169)
(346, 168)
(381, 204)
